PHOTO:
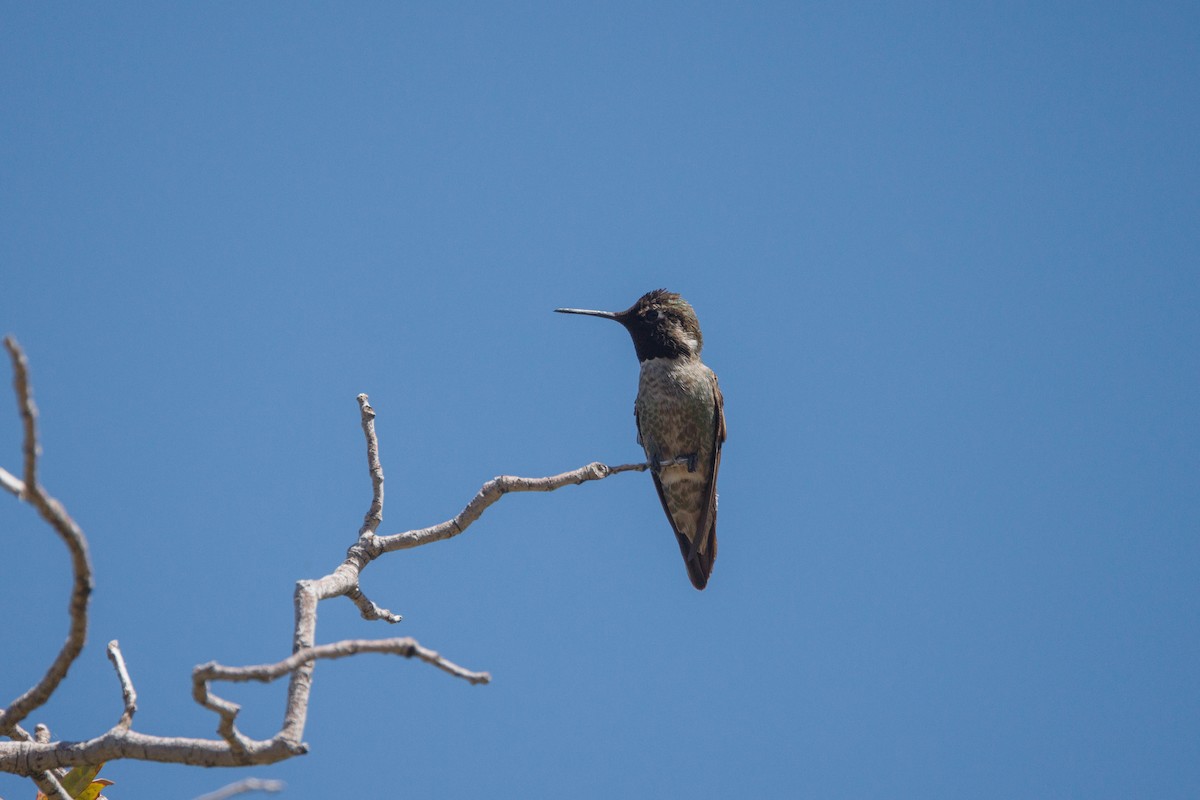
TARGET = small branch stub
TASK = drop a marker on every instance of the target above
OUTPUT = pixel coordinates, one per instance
(128, 694)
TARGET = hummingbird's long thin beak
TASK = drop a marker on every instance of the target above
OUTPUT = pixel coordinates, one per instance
(588, 312)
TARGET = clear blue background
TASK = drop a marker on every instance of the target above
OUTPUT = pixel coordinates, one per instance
(947, 261)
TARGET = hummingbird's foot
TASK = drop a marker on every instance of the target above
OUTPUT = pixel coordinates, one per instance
(678, 461)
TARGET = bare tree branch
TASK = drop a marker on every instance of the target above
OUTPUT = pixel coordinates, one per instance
(265, 673)
(53, 512)
(39, 757)
(49, 785)
(11, 483)
(242, 787)
(375, 512)
(492, 491)
(369, 610)
(128, 693)
(48, 780)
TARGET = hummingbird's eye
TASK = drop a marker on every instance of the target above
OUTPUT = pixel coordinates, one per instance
(651, 315)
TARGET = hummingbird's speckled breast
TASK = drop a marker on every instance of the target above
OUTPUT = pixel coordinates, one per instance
(676, 411)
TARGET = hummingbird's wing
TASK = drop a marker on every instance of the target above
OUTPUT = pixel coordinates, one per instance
(704, 549)
(699, 555)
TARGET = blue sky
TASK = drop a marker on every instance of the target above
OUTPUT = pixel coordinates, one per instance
(945, 257)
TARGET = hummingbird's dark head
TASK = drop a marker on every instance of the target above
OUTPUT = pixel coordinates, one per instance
(662, 324)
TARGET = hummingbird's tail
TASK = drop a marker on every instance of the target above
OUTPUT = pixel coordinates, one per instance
(699, 557)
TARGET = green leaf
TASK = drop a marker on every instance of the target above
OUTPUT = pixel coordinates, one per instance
(78, 779)
(92, 792)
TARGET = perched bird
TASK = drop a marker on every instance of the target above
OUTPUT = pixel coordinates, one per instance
(680, 420)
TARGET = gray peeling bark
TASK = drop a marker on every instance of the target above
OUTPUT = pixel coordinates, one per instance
(45, 761)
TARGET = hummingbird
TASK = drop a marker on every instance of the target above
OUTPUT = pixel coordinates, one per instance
(680, 416)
